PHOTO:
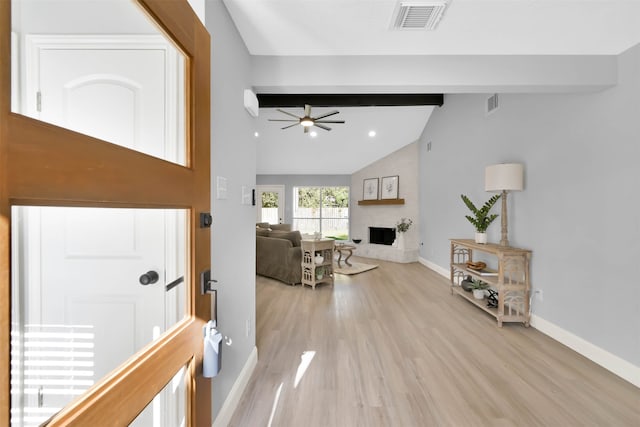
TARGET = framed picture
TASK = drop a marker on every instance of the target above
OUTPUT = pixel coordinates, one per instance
(389, 188)
(370, 189)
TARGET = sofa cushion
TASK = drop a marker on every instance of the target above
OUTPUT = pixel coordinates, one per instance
(293, 236)
(280, 227)
(264, 232)
(262, 224)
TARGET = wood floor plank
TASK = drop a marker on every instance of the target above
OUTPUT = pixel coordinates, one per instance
(393, 347)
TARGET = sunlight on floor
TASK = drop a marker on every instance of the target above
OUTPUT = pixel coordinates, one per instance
(275, 404)
(305, 361)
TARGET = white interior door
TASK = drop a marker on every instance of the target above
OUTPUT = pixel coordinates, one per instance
(109, 87)
(270, 202)
(92, 303)
(85, 299)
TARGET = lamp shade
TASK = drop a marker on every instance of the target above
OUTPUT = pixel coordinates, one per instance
(505, 176)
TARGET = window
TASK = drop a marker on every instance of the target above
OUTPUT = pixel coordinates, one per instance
(323, 210)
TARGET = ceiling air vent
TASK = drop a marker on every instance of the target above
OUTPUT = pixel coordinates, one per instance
(418, 15)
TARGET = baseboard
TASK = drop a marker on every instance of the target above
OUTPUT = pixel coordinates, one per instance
(233, 398)
(435, 267)
(609, 361)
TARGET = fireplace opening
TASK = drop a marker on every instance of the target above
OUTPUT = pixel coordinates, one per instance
(382, 235)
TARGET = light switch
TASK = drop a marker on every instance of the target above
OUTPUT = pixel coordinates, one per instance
(247, 195)
(221, 187)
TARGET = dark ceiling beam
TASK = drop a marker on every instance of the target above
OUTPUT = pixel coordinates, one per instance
(279, 100)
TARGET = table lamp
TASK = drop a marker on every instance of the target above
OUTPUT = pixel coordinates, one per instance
(500, 179)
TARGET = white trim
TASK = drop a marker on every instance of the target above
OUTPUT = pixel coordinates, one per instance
(609, 361)
(435, 267)
(233, 398)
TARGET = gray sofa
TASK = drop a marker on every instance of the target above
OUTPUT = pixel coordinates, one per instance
(278, 253)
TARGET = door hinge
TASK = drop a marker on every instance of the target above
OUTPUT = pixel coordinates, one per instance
(38, 101)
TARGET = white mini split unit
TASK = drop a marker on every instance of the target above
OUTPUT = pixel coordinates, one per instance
(251, 102)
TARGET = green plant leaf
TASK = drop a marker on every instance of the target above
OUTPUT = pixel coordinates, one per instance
(482, 219)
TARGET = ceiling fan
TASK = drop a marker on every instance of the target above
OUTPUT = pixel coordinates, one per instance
(307, 121)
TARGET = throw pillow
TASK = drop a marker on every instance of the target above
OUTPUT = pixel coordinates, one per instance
(264, 232)
(293, 236)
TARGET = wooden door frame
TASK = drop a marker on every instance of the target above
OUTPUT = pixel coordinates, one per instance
(42, 164)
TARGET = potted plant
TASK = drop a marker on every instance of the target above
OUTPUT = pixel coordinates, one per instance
(481, 219)
(466, 283)
(478, 287)
(401, 228)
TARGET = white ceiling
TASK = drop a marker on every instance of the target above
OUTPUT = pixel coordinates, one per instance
(345, 149)
(469, 29)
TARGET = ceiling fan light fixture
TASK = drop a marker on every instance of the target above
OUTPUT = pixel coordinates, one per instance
(308, 120)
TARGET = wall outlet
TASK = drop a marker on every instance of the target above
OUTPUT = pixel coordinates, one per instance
(539, 295)
(248, 327)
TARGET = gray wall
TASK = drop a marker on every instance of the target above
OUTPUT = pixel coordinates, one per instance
(233, 156)
(578, 211)
(290, 181)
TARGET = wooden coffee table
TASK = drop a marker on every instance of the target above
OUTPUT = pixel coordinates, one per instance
(348, 249)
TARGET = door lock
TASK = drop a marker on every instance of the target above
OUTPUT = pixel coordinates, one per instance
(206, 283)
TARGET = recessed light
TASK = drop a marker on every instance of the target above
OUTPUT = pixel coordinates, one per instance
(313, 134)
(372, 133)
(256, 134)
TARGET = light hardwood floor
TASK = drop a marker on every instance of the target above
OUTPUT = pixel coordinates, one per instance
(393, 347)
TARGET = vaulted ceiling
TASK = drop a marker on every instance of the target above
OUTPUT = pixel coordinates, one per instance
(478, 46)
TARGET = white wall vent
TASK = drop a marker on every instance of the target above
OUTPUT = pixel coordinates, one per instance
(492, 104)
(418, 15)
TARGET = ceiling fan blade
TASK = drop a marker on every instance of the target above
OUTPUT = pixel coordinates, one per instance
(290, 126)
(307, 110)
(288, 113)
(329, 121)
(321, 126)
(284, 120)
(331, 113)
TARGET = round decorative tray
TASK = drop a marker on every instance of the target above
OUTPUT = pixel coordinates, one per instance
(478, 265)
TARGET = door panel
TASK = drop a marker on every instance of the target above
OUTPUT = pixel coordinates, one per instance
(168, 407)
(80, 296)
(115, 89)
(102, 63)
(41, 164)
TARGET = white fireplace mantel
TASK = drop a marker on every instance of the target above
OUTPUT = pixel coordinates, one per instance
(386, 252)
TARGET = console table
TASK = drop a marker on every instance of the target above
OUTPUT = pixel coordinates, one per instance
(510, 280)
